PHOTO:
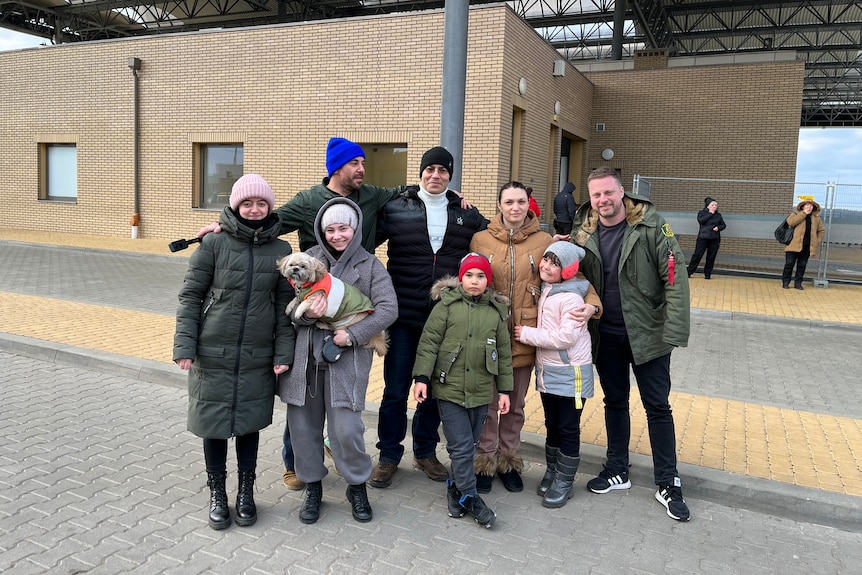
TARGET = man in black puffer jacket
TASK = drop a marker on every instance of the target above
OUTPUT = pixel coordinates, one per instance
(428, 232)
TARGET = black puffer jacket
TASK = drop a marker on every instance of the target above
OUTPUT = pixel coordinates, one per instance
(231, 321)
(708, 221)
(413, 265)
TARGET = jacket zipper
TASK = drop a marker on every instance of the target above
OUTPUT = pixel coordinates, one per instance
(242, 331)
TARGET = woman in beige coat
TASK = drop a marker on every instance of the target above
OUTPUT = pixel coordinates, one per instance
(514, 244)
(808, 233)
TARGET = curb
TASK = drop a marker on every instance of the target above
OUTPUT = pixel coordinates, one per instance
(804, 504)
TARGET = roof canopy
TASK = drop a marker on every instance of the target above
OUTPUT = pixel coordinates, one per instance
(825, 33)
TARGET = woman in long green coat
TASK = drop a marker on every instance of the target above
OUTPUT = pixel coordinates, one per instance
(234, 338)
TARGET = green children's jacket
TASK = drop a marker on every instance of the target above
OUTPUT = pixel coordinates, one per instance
(465, 350)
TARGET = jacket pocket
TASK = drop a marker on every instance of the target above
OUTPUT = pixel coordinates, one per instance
(445, 360)
(529, 311)
(491, 357)
(209, 301)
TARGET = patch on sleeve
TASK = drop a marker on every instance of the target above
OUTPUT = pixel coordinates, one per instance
(665, 229)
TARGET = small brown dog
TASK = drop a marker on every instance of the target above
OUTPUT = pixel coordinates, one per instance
(345, 305)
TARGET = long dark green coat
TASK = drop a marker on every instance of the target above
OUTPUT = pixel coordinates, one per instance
(231, 321)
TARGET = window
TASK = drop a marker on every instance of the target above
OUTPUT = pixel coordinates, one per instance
(220, 166)
(59, 174)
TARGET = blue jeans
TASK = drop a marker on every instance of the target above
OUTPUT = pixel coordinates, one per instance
(613, 360)
(462, 427)
(287, 450)
(392, 420)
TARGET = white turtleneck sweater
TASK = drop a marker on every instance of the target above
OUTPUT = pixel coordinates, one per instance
(438, 216)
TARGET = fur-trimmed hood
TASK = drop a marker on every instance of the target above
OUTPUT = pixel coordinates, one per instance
(451, 284)
(801, 205)
(636, 207)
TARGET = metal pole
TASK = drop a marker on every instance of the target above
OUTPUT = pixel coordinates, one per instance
(455, 21)
(135, 65)
(619, 29)
(826, 214)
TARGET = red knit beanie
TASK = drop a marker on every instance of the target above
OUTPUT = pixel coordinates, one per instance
(475, 260)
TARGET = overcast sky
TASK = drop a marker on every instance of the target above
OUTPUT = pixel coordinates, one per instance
(824, 155)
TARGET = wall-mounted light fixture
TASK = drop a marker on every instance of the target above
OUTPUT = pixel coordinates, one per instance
(607, 154)
(557, 107)
(522, 86)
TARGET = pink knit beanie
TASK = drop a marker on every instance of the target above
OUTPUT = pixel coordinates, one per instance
(251, 186)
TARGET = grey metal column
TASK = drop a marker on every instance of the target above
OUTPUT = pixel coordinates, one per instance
(619, 29)
(455, 23)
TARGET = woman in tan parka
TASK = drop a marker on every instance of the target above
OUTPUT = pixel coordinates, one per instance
(808, 233)
(514, 244)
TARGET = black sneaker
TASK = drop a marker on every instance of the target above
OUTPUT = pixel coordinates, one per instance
(453, 498)
(474, 505)
(609, 481)
(671, 498)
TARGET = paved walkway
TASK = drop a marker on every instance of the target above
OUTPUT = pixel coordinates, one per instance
(765, 403)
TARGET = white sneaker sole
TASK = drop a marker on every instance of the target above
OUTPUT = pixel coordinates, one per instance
(662, 500)
(613, 487)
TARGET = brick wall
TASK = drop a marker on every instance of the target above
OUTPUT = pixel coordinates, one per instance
(726, 122)
(284, 90)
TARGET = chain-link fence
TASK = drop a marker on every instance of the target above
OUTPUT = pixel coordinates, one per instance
(752, 209)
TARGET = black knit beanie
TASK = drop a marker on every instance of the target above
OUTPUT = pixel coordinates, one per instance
(440, 156)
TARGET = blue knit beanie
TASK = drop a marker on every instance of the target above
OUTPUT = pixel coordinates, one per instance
(340, 151)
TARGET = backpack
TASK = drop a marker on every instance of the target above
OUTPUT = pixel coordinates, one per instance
(784, 233)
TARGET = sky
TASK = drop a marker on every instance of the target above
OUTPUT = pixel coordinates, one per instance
(823, 155)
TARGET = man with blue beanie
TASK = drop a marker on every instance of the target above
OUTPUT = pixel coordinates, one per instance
(345, 169)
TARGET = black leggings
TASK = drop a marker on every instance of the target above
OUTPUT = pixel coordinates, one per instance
(215, 453)
(562, 423)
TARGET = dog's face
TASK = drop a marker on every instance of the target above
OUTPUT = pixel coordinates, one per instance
(300, 268)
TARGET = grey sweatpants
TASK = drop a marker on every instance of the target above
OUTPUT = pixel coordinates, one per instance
(346, 432)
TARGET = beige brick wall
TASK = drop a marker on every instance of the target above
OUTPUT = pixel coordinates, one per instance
(280, 90)
(724, 122)
(284, 90)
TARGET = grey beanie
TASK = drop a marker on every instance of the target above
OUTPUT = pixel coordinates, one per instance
(339, 213)
(569, 255)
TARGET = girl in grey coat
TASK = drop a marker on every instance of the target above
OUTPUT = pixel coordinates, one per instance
(316, 391)
(233, 337)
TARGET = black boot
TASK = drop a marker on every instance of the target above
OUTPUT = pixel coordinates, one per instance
(219, 513)
(246, 511)
(550, 470)
(358, 498)
(310, 510)
(453, 499)
(798, 285)
(561, 489)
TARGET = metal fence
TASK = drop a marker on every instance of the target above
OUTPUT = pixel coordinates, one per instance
(748, 243)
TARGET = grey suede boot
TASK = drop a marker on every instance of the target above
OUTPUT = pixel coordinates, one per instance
(550, 470)
(561, 489)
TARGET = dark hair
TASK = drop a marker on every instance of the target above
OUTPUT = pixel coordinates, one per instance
(554, 259)
(529, 191)
(511, 185)
(604, 172)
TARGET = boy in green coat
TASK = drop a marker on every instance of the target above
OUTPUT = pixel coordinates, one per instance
(463, 353)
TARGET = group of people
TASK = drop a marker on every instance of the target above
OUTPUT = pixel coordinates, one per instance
(808, 233)
(473, 308)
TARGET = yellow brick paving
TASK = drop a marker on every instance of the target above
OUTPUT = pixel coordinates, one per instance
(796, 447)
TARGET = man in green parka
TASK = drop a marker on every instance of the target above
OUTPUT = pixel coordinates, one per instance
(636, 265)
